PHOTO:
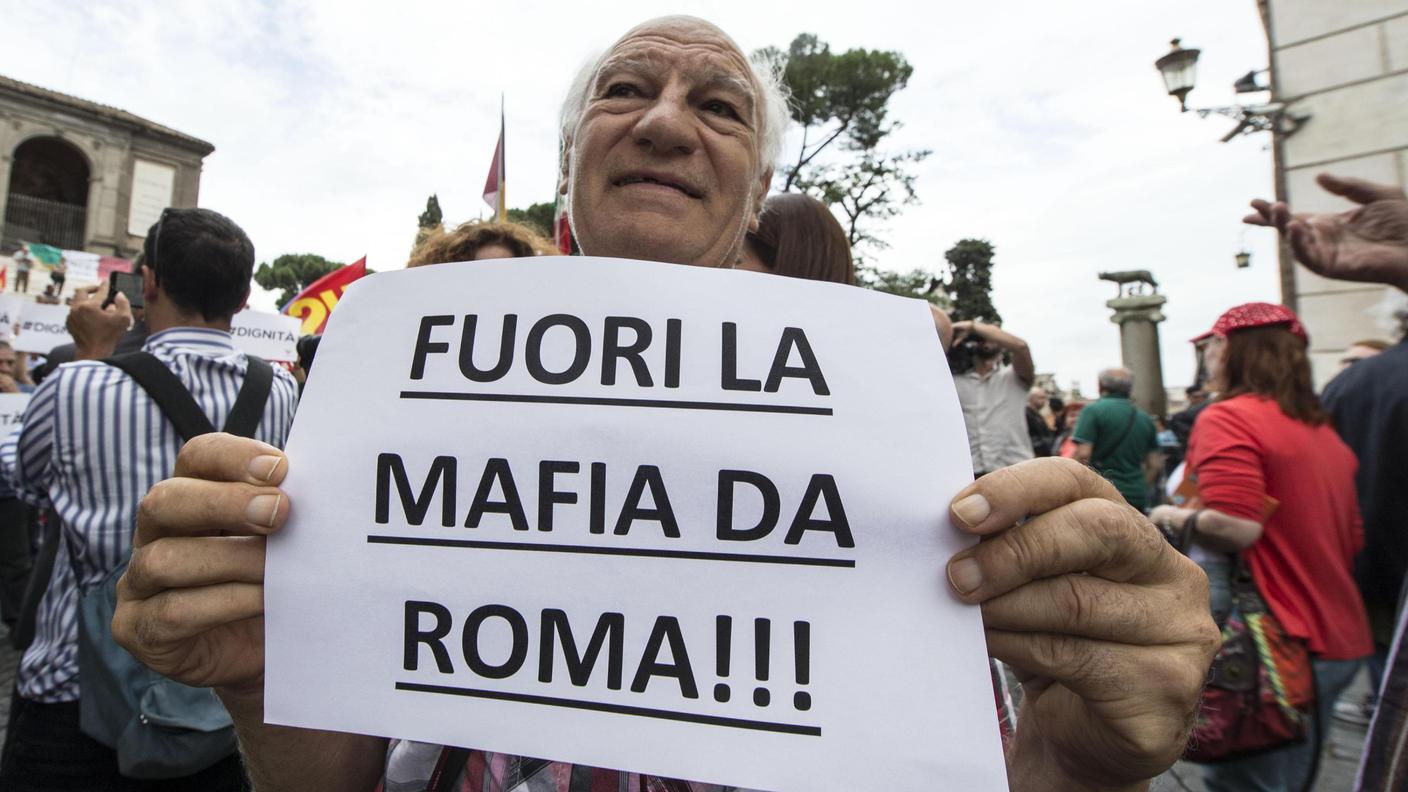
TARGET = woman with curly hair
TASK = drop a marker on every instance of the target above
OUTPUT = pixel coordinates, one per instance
(478, 240)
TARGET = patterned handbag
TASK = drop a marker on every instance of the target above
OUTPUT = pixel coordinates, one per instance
(1262, 690)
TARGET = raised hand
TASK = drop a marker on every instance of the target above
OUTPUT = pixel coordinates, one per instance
(1106, 625)
(1369, 243)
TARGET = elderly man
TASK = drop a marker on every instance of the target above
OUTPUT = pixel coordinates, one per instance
(1120, 440)
(669, 139)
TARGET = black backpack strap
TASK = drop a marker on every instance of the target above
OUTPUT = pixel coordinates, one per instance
(254, 394)
(166, 390)
(180, 407)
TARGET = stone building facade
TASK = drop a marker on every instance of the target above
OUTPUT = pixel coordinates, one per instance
(1346, 65)
(84, 176)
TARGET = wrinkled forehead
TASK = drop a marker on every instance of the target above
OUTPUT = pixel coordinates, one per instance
(702, 53)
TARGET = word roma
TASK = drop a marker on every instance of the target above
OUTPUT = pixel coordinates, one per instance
(497, 474)
(613, 351)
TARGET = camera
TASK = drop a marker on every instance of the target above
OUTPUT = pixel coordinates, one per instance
(963, 353)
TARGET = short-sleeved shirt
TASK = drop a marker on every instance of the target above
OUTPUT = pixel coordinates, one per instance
(1244, 451)
(1121, 437)
(995, 413)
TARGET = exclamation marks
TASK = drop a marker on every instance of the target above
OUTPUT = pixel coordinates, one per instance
(802, 648)
(762, 645)
(723, 647)
(762, 660)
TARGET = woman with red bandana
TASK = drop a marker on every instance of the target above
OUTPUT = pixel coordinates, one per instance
(1276, 484)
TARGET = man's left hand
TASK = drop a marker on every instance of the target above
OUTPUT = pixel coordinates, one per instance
(95, 329)
(1107, 627)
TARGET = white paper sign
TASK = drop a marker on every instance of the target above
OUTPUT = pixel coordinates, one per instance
(266, 335)
(153, 188)
(10, 307)
(664, 519)
(81, 265)
(12, 407)
(41, 328)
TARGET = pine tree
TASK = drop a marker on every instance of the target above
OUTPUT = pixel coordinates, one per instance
(969, 282)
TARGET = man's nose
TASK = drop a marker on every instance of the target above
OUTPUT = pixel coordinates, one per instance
(667, 126)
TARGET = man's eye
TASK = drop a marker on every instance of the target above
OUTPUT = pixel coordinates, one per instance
(720, 107)
(618, 90)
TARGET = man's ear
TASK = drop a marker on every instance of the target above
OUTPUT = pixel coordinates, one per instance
(760, 194)
(148, 285)
(244, 301)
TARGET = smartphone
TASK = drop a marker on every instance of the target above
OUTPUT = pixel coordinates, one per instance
(127, 283)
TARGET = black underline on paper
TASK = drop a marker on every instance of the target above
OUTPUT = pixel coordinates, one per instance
(641, 552)
(617, 709)
(668, 404)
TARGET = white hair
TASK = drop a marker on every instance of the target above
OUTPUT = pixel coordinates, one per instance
(771, 106)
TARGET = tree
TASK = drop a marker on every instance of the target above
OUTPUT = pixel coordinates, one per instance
(538, 217)
(292, 272)
(969, 282)
(432, 216)
(918, 283)
(844, 99)
(836, 95)
(874, 188)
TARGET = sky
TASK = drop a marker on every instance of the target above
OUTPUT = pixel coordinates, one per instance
(1051, 133)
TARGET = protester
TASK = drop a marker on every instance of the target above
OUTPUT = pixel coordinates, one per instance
(13, 378)
(1294, 522)
(1360, 350)
(994, 395)
(58, 273)
(49, 297)
(23, 263)
(93, 442)
(1038, 429)
(1118, 439)
(1063, 444)
(1117, 683)
(478, 240)
(798, 237)
(1367, 402)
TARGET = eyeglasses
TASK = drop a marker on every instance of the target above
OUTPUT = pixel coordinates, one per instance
(156, 237)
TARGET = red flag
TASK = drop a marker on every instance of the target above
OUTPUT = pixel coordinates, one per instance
(494, 194)
(314, 303)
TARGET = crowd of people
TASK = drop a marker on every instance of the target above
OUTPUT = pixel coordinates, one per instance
(1115, 541)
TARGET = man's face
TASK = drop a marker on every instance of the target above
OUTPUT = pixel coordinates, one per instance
(1037, 399)
(664, 161)
(1355, 354)
(7, 361)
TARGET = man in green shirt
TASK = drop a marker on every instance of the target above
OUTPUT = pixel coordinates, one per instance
(1118, 439)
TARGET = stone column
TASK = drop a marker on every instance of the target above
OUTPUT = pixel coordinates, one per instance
(1138, 316)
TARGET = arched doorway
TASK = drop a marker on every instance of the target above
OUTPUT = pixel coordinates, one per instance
(48, 194)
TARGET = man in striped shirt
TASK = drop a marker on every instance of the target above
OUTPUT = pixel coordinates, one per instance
(92, 443)
(669, 140)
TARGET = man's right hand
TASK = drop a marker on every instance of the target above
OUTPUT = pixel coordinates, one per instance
(1368, 243)
(191, 604)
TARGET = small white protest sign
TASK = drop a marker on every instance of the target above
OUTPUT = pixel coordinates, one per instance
(41, 328)
(10, 307)
(665, 519)
(266, 335)
(12, 407)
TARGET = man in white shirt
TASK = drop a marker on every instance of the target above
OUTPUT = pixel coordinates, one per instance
(994, 396)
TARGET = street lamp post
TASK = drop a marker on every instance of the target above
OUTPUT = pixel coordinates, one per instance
(1179, 68)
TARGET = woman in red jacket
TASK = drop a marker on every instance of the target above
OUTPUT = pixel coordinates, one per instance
(1276, 484)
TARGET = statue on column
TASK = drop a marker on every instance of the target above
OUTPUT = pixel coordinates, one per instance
(1138, 313)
